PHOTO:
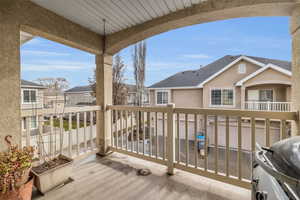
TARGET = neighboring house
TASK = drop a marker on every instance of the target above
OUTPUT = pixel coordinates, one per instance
(80, 95)
(54, 99)
(32, 98)
(132, 95)
(234, 82)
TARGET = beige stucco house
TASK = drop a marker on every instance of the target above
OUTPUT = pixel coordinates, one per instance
(233, 82)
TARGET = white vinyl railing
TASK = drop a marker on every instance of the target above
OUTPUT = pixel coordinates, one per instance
(268, 106)
(70, 131)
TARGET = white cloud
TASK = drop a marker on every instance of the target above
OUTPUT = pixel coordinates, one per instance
(57, 65)
(197, 56)
(44, 53)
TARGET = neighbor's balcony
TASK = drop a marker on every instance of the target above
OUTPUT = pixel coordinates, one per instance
(268, 106)
(213, 143)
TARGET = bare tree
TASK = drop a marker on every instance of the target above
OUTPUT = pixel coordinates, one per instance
(56, 84)
(139, 64)
(119, 87)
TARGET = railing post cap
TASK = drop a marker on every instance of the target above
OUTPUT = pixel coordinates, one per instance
(172, 105)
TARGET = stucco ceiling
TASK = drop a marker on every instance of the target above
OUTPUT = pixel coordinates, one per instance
(119, 14)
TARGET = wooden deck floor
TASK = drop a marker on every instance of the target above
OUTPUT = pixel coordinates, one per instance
(115, 178)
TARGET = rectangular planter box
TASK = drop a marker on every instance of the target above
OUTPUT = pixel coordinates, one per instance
(54, 177)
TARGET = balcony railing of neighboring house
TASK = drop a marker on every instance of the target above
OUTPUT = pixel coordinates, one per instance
(268, 106)
(168, 136)
(70, 131)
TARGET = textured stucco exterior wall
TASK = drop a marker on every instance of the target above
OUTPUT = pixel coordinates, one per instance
(227, 80)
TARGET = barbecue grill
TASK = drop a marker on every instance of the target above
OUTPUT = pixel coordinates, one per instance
(276, 171)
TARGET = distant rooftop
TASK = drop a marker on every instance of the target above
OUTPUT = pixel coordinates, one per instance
(192, 78)
(25, 83)
(79, 89)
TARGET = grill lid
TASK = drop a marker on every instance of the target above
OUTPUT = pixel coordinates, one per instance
(285, 155)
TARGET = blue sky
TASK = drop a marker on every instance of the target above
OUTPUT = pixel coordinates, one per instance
(178, 50)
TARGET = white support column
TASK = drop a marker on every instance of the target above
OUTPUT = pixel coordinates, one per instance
(295, 33)
(10, 120)
(104, 98)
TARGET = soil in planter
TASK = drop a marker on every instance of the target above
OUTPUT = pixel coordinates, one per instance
(50, 165)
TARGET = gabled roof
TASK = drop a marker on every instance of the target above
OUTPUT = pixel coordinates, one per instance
(80, 89)
(268, 66)
(30, 84)
(196, 78)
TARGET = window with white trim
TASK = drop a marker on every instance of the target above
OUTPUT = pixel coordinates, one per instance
(29, 96)
(266, 95)
(162, 97)
(222, 97)
(33, 123)
(242, 68)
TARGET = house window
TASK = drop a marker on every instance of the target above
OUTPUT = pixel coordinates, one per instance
(29, 96)
(33, 123)
(162, 97)
(242, 68)
(266, 95)
(222, 97)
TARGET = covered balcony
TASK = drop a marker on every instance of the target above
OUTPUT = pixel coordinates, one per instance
(216, 165)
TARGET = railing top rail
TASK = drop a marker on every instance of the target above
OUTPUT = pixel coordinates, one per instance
(53, 111)
(137, 108)
(239, 113)
(279, 115)
(270, 102)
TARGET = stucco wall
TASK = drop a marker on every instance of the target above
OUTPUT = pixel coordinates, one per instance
(187, 98)
(227, 80)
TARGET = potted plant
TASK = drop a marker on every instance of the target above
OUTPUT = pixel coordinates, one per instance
(15, 165)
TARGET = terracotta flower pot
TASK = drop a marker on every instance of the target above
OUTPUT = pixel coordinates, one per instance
(22, 193)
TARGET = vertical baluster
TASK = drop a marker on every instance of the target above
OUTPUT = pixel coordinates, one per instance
(143, 129)
(227, 146)
(195, 141)
(51, 137)
(41, 139)
(117, 128)
(178, 138)
(61, 133)
(70, 135)
(149, 132)
(252, 134)
(126, 128)
(283, 130)
(239, 148)
(132, 129)
(216, 145)
(268, 132)
(84, 131)
(121, 129)
(77, 133)
(91, 129)
(138, 131)
(186, 140)
(156, 137)
(205, 143)
(28, 130)
(164, 136)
